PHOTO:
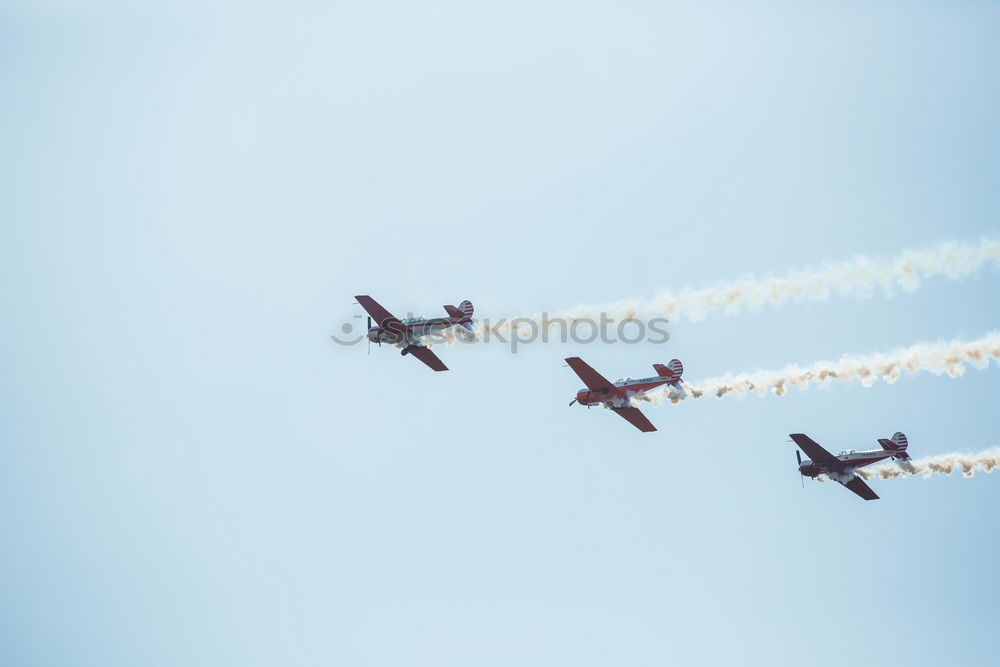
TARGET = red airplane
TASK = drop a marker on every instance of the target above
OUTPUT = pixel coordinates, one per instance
(841, 468)
(407, 333)
(618, 395)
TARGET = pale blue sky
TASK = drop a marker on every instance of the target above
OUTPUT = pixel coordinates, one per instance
(193, 474)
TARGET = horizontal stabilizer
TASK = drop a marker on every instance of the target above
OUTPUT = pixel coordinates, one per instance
(671, 371)
(897, 445)
(462, 312)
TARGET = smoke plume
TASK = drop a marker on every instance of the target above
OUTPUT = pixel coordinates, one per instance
(944, 464)
(949, 358)
(858, 278)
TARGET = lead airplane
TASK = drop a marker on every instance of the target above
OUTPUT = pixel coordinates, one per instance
(409, 332)
(841, 468)
(618, 395)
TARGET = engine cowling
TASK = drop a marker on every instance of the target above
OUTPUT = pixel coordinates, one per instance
(591, 397)
(810, 469)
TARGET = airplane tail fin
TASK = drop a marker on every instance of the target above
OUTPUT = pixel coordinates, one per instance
(671, 371)
(897, 444)
(463, 312)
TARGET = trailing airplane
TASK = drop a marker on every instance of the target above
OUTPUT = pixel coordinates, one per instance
(407, 333)
(618, 395)
(841, 468)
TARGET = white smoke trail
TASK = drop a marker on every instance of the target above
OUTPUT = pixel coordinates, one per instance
(939, 358)
(858, 277)
(944, 464)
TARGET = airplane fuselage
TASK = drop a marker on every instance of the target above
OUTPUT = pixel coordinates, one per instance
(412, 330)
(848, 460)
(622, 393)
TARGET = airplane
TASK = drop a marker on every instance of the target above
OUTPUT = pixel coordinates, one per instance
(408, 332)
(617, 395)
(841, 467)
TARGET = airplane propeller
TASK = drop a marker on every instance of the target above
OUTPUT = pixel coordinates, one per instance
(801, 478)
(572, 402)
(380, 331)
(378, 338)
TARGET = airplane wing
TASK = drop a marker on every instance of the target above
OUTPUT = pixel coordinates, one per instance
(382, 317)
(858, 486)
(813, 450)
(594, 380)
(428, 357)
(635, 417)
